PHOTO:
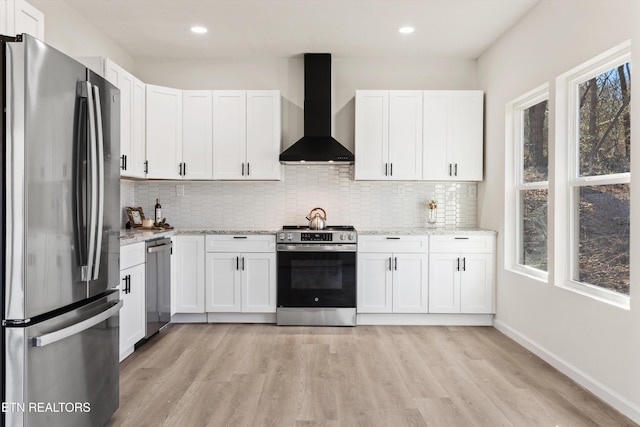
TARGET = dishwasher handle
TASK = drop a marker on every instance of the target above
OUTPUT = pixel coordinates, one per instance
(159, 248)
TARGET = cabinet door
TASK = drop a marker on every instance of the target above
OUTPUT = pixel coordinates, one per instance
(374, 277)
(410, 283)
(444, 283)
(125, 82)
(197, 134)
(164, 132)
(372, 134)
(189, 276)
(135, 164)
(27, 19)
(263, 135)
(405, 135)
(259, 282)
(229, 134)
(467, 117)
(436, 135)
(476, 283)
(132, 314)
(223, 290)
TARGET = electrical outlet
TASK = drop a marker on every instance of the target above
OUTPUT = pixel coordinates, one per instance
(180, 190)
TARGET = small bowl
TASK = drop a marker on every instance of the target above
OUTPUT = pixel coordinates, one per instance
(147, 223)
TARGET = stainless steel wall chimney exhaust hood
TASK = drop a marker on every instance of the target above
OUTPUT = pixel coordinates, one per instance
(317, 146)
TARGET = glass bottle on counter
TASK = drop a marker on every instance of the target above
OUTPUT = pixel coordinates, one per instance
(158, 217)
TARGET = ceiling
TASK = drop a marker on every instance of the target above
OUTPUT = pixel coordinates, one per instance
(286, 28)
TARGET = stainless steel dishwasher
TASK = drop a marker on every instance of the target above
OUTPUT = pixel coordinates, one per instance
(158, 293)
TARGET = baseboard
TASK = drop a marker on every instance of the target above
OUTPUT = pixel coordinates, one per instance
(618, 402)
(425, 319)
(241, 317)
(189, 318)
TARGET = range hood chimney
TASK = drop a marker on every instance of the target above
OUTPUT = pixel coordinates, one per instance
(317, 146)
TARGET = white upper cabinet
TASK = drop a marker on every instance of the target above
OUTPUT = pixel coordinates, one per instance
(452, 135)
(388, 135)
(164, 132)
(197, 135)
(132, 143)
(246, 135)
(19, 17)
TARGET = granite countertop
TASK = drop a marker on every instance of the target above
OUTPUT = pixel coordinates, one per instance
(131, 236)
(424, 231)
(128, 237)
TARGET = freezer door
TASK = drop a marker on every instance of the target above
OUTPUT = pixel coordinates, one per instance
(52, 182)
(64, 371)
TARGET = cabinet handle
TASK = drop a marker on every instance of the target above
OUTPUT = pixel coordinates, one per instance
(461, 238)
(464, 264)
(239, 237)
(389, 263)
(395, 263)
(242, 263)
(184, 169)
(450, 166)
(123, 162)
(180, 169)
(456, 170)
(458, 264)
(393, 238)
(248, 170)
(243, 169)
(124, 279)
(386, 169)
(237, 263)
(391, 169)
(146, 166)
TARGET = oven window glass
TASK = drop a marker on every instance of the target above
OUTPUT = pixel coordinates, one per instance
(316, 274)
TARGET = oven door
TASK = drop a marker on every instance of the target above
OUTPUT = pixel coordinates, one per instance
(316, 278)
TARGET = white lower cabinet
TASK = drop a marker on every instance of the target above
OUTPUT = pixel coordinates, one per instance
(188, 278)
(132, 294)
(461, 274)
(240, 281)
(392, 282)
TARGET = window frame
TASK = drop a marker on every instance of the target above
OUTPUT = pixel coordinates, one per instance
(515, 182)
(567, 171)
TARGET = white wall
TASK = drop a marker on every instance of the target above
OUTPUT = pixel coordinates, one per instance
(71, 33)
(595, 343)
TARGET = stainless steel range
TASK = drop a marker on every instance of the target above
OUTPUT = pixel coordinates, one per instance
(316, 276)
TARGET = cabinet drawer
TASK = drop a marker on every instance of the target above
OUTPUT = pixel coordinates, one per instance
(462, 244)
(131, 255)
(398, 244)
(240, 243)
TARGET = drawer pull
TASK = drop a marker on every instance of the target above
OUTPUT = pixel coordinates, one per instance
(393, 238)
(461, 238)
(239, 237)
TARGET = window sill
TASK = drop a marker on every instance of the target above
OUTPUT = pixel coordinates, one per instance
(599, 294)
(530, 273)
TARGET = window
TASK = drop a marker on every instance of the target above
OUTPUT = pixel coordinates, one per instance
(596, 100)
(529, 129)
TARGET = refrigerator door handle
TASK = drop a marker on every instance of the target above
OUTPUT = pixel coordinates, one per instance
(52, 337)
(88, 269)
(100, 196)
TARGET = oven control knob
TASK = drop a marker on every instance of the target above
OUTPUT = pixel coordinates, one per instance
(281, 237)
(316, 299)
(351, 236)
(342, 236)
(290, 236)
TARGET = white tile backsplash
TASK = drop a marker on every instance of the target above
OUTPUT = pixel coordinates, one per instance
(270, 205)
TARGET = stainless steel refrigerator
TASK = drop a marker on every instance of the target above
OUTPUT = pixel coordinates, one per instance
(60, 229)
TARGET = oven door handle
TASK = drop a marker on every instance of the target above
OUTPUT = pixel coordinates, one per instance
(316, 248)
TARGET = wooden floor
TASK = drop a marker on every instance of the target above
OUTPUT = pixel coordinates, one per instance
(264, 375)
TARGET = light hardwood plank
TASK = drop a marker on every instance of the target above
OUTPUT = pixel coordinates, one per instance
(264, 375)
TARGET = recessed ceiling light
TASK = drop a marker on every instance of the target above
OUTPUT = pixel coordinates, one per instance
(199, 30)
(406, 30)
